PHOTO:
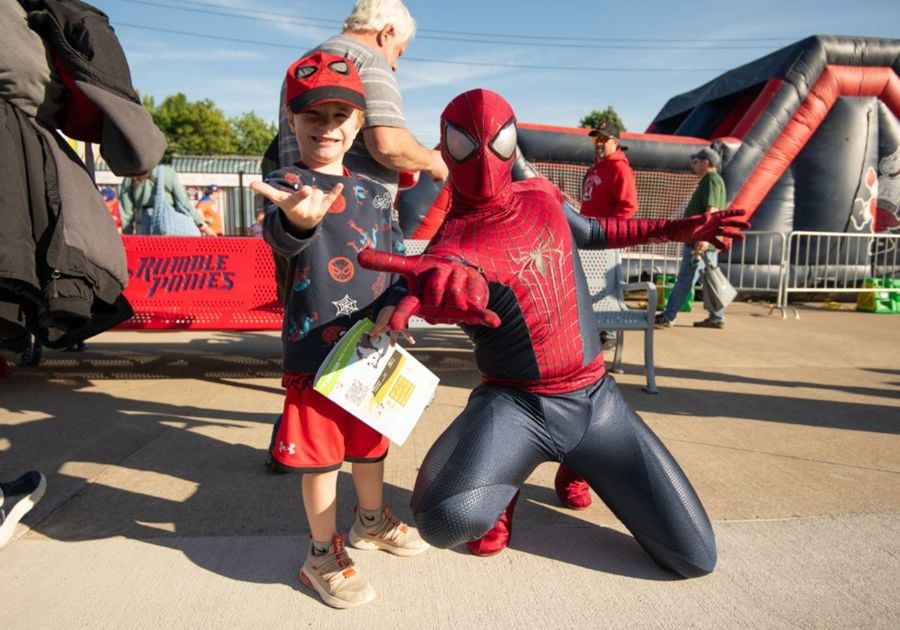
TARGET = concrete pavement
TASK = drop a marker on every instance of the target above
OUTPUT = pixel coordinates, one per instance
(159, 512)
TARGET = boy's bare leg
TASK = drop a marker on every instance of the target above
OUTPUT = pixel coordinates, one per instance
(369, 482)
(375, 527)
(328, 570)
(319, 493)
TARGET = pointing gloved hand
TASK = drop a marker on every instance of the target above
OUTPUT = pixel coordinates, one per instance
(441, 290)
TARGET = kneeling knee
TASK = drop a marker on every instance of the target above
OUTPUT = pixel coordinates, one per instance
(449, 521)
(694, 562)
(448, 524)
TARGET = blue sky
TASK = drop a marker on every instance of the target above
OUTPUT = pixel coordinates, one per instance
(553, 61)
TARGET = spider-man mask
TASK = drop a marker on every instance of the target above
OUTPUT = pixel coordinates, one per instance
(478, 143)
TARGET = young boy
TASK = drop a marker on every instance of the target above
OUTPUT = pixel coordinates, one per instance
(319, 216)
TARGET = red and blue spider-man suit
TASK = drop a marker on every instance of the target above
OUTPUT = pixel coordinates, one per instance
(545, 394)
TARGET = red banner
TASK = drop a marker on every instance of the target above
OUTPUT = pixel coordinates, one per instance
(225, 283)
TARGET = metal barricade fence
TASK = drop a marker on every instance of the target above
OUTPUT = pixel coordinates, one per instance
(754, 265)
(829, 262)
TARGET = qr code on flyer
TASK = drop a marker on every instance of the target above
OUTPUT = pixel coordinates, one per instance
(357, 393)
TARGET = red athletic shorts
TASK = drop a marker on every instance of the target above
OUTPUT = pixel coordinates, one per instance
(315, 435)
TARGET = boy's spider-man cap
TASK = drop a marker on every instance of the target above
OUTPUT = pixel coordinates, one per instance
(322, 78)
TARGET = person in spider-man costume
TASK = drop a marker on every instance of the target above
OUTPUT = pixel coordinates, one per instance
(505, 264)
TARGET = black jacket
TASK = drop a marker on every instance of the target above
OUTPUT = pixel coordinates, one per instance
(62, 264)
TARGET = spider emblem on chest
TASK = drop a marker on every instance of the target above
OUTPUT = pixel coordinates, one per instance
(539, 259)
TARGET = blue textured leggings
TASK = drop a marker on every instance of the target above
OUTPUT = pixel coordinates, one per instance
(475, 467)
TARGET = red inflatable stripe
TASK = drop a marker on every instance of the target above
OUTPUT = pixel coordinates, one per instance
(833, 82)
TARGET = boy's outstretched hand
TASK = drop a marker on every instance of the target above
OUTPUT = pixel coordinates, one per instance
(441, 290)
(303, 208)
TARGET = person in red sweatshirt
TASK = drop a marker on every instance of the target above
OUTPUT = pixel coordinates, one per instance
(608, 188)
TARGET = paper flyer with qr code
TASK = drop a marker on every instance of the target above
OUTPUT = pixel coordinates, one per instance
(382, 385)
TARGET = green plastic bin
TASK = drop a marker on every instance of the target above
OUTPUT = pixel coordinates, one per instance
(878, 301)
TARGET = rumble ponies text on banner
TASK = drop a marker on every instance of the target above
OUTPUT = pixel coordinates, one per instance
(225, 283)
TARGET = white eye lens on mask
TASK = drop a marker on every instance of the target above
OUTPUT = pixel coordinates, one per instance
(459, 144)
(504, 143)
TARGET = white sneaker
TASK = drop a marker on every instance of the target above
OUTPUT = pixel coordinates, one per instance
(389, 534)
(334, 577)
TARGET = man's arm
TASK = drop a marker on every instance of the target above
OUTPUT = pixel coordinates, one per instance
(397, 148)
(385, 133)
(179, 194)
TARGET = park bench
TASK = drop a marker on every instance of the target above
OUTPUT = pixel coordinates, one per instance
(607, 286)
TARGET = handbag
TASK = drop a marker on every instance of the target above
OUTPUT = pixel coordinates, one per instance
(718, 292)
(166, 220)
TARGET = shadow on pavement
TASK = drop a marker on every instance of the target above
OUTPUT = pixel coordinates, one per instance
(191, 477)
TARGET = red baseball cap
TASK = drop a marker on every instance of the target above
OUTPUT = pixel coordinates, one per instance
(322, 78)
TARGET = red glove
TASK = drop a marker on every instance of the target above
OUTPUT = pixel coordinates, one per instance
(442, 291)
(709, 226)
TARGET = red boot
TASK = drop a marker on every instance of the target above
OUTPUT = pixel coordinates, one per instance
(573, 491)
(497, 537)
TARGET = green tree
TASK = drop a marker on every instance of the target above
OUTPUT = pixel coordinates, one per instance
(593, 120)
(252, 134)
(192, 128)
